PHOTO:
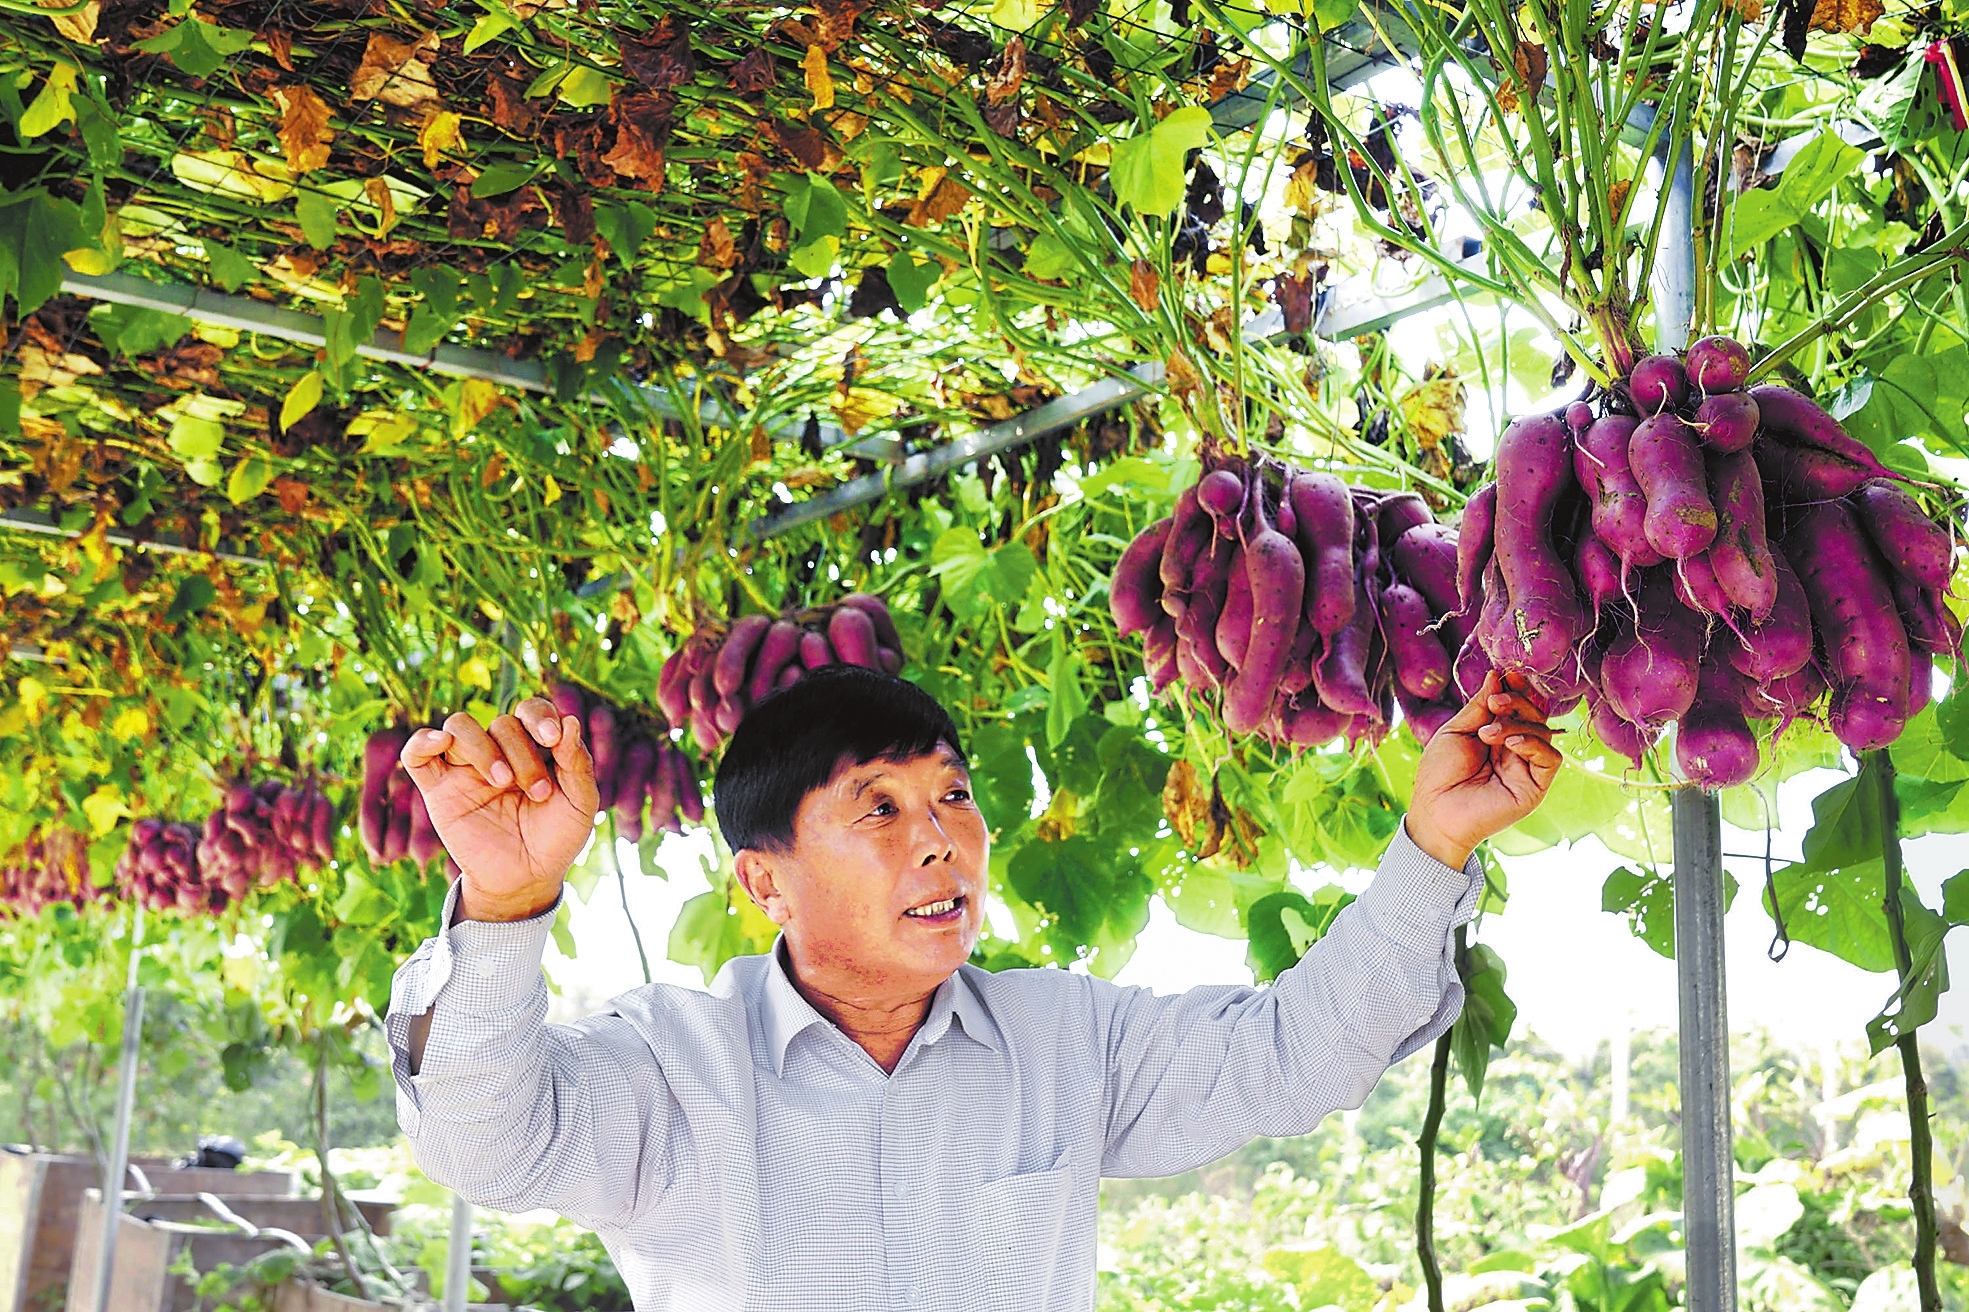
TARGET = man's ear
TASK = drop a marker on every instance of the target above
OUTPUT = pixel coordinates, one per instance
(759, 879)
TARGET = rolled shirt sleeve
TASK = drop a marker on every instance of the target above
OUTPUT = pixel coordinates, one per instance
(1194, 1075)
(511, 1112)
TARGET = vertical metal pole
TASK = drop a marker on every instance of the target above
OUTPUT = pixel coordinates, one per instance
(458, 1260)
(126, 1102)
(1708, 1177)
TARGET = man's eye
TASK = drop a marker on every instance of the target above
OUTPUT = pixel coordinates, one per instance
(961, 794)
(884, 808)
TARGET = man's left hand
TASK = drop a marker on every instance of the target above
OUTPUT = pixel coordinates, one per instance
(1483, 772)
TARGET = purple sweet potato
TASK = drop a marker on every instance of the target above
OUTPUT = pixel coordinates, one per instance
(1424, 557)
(1325, 516)
(852, 636)
(1650, 670)
(1135, 592)
(735, 657)
(1476, 539)
(1221, 494)
(1190, 532)
(1717, 364)
(604, 748)
(396, 838)
(877, 611)
(1906, 537)
(1545, 620)
(1277, 577)
(1740, 554)
(1424, 717)
(1658, 383)
(1866, 647)
(1619, 735)
(1726, 422)
(777, 650)
(422, 843)
(1422, 667)
(1696, 586)
(1668, 468)
(690, 802)
(1598, 571)
(1791, 696)
(1931, 625)
(1298, 675)
(1207, 593)
(1620, 508)
(1398, 513)
(673, 684)
(1234, 621)
(1472, 666)
(1782, 642)
(1805, 474)
(569, 700)
(1341, 676)
(379, 762)
(1713, 744)
(632, 788)
(815, 651)
(662, 790)
(1920, 683)
(1308, 722)
(1796, 420)
(1159, 653)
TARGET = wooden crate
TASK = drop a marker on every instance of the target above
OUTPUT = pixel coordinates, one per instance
(41, 1197)
(300, 1215)
(145, 1250)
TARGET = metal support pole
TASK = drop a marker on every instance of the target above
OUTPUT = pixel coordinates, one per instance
(1708, 1174)
(458, 1259)
(126, 1102)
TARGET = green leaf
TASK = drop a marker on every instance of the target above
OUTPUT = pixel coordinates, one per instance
(1760, 215)
(562, 930)
(205, 471)
(1082, 883)
(250, 477)
(1050, 257)
(1001, 777)
(194, 595)
(195, 437)
(198, 47)
(1845, 826)
(1487, 1017)
(52, 105)
(1147, 171)
(585, 88)
(1329, 14)
(1918, 998)
(1067, 700)
(1648, 901)
(1282, 925)
(301, 399)
(433, 318)
(957, 557)
(500, 179)
(316, 212)
(816, 258)
(490, 27)
(1128, 803)
(911, 282)
(230, 269)
(49, 227)
(132, 332)
(1837, 911)
(1952, 719)
(815, 209)
(1324, 1277)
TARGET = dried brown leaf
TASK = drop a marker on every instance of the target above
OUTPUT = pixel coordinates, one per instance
(1145, 286)
(661, 61)
(944, 200)
(304, 131)
(378, 192)
(716, 250)
(396, 72)
(1007, 72)
(820, 83)
(755, 72)
(1854, 16)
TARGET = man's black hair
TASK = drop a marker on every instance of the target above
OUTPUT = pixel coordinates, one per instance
(794, 741)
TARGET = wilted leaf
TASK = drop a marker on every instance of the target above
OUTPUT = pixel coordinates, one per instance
(938, 203)
(439, 134)
(304, 132)
(1007, 72)
(1434, 407)
(642, 129)
(1617, 196)
(1145, 286)
(395, 72)
(1184, 380)
(477, 398)
(820, 83)
(379, 195)
(715, 249)
(1854, 16)
(662, 61)
(756, 72)
(79, 27)
(1186, 805)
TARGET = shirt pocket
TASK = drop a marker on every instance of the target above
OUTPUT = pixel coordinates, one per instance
(1022, 1220)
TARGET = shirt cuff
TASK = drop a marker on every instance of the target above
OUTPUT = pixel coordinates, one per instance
(1416, 900)
(498, 961)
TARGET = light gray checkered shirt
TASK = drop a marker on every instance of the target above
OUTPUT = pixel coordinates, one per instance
(735, 1150)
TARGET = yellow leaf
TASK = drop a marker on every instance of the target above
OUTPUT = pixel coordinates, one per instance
(491, 611)
(476, 399)
(553, 490)
(475, 673)
(131, 722)
(51, 106)
(304, 132)
(301, 400)
(382, 431)
(104, 807)
(33, 696)
(439, 133)
(819, 82)
(379, 195)
(79, 27)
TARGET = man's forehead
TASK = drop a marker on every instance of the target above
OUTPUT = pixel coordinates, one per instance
(854, 776)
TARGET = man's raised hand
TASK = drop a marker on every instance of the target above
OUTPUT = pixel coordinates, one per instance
(512, 825)
(1481, 773)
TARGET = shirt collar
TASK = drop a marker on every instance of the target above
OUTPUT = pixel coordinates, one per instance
(785, 1014)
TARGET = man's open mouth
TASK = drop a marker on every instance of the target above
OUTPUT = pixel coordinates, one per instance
(938, 912)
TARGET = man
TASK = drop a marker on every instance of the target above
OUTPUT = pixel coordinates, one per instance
(861, 1120)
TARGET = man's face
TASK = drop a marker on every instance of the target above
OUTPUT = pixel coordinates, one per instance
(884, 885)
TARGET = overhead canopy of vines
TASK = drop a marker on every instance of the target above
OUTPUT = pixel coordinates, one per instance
(720, 261)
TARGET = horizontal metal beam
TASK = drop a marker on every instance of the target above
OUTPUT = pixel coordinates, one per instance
(36, 521)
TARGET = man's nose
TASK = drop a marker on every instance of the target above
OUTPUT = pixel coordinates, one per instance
(935, 841)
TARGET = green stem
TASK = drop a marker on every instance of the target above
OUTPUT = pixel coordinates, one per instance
(1921, 1190)
(1904, 273)
(1432, 1124)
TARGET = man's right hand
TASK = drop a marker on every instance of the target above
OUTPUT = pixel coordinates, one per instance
(513, 827)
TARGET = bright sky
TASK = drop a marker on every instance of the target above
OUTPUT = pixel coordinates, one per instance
(1574, 970)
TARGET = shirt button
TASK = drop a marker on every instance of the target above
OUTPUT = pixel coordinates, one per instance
(917, 1298)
